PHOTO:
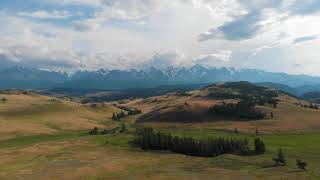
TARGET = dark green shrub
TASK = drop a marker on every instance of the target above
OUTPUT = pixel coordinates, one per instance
(149, 139)
(94, 131)
(260, 148)
(280, 159)
(301, 165)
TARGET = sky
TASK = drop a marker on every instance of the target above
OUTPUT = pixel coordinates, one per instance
(71, 35)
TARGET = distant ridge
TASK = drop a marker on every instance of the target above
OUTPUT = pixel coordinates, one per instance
(26, 78)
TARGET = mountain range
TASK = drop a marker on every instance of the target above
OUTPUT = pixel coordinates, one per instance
(27, 78)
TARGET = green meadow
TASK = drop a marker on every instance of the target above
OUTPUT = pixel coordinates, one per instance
(50, 149)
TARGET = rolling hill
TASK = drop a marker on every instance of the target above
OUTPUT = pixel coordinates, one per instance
(192, 109)
(24, 113)
(44, 137)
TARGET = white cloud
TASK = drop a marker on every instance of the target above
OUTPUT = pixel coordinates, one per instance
(220, 58)
(127, 34)
(47, 15)
(77, 2)
(167, 59)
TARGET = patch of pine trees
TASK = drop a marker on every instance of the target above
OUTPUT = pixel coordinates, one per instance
(310, 106)
(150, 139)
(122, 114)
(118, 116)
(243, 109)
(121, 129)
(3, 100)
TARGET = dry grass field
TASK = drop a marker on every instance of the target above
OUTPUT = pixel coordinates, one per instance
(80, 156)
(42, 138)
(32, 114)
(192, 111)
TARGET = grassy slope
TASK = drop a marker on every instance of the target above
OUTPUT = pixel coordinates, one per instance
(30, 114)
(172, 111)
(67, 152)
(111, 157)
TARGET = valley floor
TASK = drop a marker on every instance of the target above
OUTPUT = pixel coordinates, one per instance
(77, 155)
(43, 138)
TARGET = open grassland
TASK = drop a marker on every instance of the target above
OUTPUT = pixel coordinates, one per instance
(31, 114)
(42, 138)
(187, 112)
(79, 156)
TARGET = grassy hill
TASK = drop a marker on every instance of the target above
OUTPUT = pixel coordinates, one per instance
(47, 138)
(24, 113)
(192, 110)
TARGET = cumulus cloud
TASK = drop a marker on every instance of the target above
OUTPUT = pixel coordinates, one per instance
(167, 59)
(127, 9)
(85, 25)
(220, 58)
(243, 26)
(124, 34)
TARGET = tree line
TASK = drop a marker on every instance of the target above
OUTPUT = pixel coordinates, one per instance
(122, 129)
(122, 114)
(243, 109)
(3, 100)
(150, 139)
(310, 106)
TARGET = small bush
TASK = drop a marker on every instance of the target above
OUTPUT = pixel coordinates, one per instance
(94, 131)
(236, 131)
(118, 116)
(260, 148)
(280, 159)
(301, 165)
(123, 128)
(257, 132)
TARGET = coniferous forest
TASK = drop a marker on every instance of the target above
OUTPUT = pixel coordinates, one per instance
(150, 139)
(243, 109)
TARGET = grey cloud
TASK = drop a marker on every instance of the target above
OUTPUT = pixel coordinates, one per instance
(5, 63)
(36, 63)
(261, 4)
(304, 39)
(305, 7)
(211, 34)
(167, 59)
(109, 2)
(218, 59)
(82, 26)
(244, 27)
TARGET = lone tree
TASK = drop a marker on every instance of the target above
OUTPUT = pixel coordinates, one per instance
(259, 145)
(271, 115)
(257, 132)
(275, 104)
(114, 117)
(123, 128)
(280, 159)
(94, 131)
(301, 165)
(236, 131)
